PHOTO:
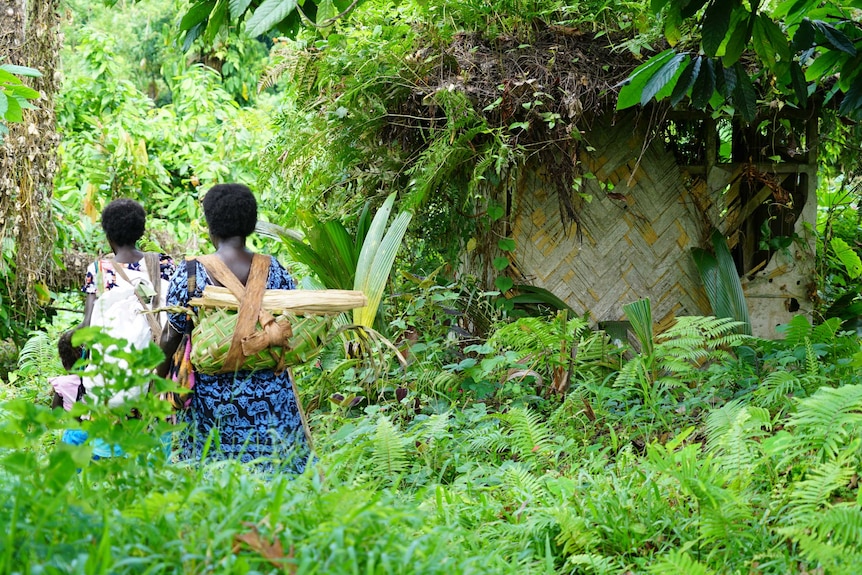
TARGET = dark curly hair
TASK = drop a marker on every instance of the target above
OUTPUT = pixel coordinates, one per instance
(123, 221)
(230, 210)
(69, 353)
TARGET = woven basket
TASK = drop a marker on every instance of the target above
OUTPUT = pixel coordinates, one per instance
(211, 339)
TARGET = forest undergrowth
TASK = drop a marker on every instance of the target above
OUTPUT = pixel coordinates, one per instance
(714, 453)
(505, 444)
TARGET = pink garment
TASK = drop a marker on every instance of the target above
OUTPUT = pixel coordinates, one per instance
(67, 387)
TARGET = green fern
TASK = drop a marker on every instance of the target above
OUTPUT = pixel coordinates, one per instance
(824, 423)
(776, 389)
(39, 357)
(534, 334)
(815, 492)
(678, 562)
(842, 525)
(576, 535)
(831, 537)
(520, 483)
(529, 436)
(596, 564)
(733, 436)
(389, 457)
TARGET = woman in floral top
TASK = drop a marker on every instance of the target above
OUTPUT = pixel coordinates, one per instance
(123, 221)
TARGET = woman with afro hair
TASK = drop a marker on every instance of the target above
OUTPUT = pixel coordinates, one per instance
(123, 222)
(247, 415)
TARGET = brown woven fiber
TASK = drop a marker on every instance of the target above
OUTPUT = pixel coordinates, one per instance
(214, 331)
(240, 334)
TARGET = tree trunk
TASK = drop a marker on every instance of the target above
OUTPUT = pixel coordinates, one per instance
(29, 36)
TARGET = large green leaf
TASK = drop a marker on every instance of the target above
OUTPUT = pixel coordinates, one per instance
(640, 316)
(800, 87)
(217, 18)
(823, 65)
(661, 78)
(376, 259)
(737, 42)
(851, 103)
(633, 86)
(704, 85)
(268, 15)
(744, 97)
(803, 38)
(847, 256)
(238, 7)
(21, 70)
(197, 14)
(685, 81)
(13, 110)
(835, 37)
(721, 281)
(4, 105)
(716, 22)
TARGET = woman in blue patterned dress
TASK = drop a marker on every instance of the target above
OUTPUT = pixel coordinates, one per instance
(243, 415)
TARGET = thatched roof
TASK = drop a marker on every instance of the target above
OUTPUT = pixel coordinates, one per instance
(560, 74)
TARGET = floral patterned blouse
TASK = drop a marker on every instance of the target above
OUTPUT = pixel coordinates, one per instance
(109, 277)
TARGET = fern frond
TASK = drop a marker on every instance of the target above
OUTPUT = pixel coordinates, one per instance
(676, 562)
(733, 432)
(521, 483)
(842, 525)
(39, 357)
(489, 438)
(813, 493)
(596, 564)
(797, 330)
(825, 422)
(777, 387)
(435, 428)
(812, 365)
(389, 457)
(529, 435)
(725, 524)
(533, 334)
(576, 534)
(832, 554)
(632, 373)
(827, 331)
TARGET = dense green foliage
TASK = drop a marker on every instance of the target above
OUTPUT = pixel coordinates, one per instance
(724, 463)
(798, 46)
(471, 440)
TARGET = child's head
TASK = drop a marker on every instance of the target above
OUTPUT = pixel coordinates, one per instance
(69, 353)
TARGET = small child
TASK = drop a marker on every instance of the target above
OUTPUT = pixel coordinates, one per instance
(67, 388)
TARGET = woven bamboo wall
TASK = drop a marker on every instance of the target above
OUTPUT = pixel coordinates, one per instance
(635, 238)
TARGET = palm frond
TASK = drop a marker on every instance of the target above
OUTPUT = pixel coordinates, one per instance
(640, 316)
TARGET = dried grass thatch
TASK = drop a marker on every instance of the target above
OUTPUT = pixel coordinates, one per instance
(573, 73)
(318, 302)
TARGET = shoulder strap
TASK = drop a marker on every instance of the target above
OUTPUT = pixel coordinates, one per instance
(155, 326)
(250, 297)
(222, 274)
(153, 263)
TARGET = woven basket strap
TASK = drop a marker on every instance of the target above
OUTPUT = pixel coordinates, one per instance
(153, 263)
(250, 297)
(155, 327)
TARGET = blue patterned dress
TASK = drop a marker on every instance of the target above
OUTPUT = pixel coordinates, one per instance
(249, 415)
